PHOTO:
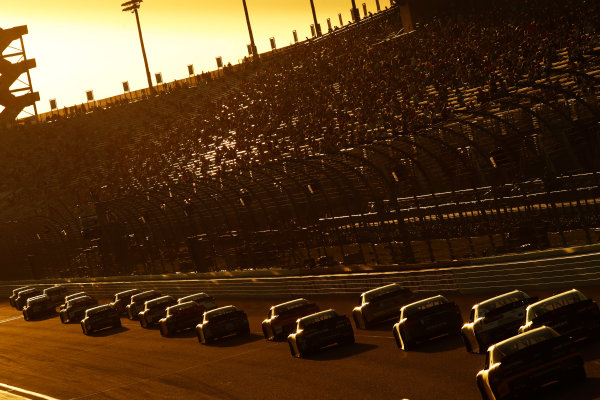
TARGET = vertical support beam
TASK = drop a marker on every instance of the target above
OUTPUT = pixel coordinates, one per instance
(28, 77)
(137, 18)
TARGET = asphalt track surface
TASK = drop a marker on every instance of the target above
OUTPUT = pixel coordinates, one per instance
(134, 363)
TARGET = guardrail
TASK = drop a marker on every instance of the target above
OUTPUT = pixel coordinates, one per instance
(553, 273)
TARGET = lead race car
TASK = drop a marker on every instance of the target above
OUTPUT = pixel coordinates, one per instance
(494, 320)
(319, 330)
(569, 313)
(281, 319)
(426, 319)
(517, 367)
(380, 304)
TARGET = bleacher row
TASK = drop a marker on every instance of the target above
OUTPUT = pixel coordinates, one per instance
(459, 139)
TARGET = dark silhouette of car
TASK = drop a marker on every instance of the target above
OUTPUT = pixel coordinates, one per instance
(15, 293)
(71, 296)
(122, 299)
(281, 319)
(204, 300)
(56, 294)
(74, 310)
(222, 322)
(426, 319)
(569, 313)
(180, 317)
(154, 310)
(517, 367)
(380, 304)
(100, 317)
(39, 306)
(319, 330)
(23, 295)
(494, 320)
(138, 301)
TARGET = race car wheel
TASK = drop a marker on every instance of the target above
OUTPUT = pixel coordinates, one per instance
(406, 343)
(268, 333)
(143, 322)
(292, 351)
(26, 316)
(467, 343)
(359, 320)
(117, 324)
(62, 318)
(398, 342)
(85, 331)
(164, 330)
(482, 391)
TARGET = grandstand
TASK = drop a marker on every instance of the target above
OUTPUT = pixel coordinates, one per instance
(476, 134)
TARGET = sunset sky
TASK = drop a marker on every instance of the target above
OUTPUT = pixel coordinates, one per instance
(93, 45)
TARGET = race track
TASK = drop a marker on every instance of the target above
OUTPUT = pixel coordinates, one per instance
(133, 363)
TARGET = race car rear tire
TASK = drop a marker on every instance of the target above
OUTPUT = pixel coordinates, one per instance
(467, 343)
(62, 318)
(143, 322)
(85, 331)
(398, 342)
(266, 333)
(406, 344)
(292, 351)
(359, 320)
(26, 316)
(165, 331)
(482, 391)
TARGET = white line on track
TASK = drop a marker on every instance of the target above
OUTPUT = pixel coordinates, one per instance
(373, 336)
(10, 319)
(164, 375)
(28, 393)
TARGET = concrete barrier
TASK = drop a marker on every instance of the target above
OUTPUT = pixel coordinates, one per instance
(552, 273)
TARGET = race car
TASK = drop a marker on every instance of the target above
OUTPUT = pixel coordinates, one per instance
(122, 299)
(23, 295)
(181, 316)
(38, 306)
(380, 304)
(222, 322)
(56, 294)
(100, 317)
(426, 319)
(569, 313)
(154, 310)
(74, 310)
(494, 320)
(138, 301)
(15, 293)
(71, 296)
(281, 319)
(319, 330)
(202, 299)
(517, 367)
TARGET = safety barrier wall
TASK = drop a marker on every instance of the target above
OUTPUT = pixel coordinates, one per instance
(560, 272)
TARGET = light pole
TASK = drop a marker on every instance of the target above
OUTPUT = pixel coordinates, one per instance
(133, 6)
(317, 26)
(252, 45)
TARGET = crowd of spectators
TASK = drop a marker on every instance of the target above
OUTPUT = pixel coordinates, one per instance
(352, 86)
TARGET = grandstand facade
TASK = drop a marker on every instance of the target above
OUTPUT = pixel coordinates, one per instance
(476, 134)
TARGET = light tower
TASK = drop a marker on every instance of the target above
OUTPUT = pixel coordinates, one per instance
(133, 6)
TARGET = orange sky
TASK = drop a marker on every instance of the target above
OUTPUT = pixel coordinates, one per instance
(92, 45)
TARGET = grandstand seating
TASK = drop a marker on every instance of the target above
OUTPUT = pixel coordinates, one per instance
(450, 139)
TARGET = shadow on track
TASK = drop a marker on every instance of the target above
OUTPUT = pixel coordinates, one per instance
(108, 332)
(43, 318)
(185, 334)
(236, 340)
(590, 350)
(439, 345)
(340, 352)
